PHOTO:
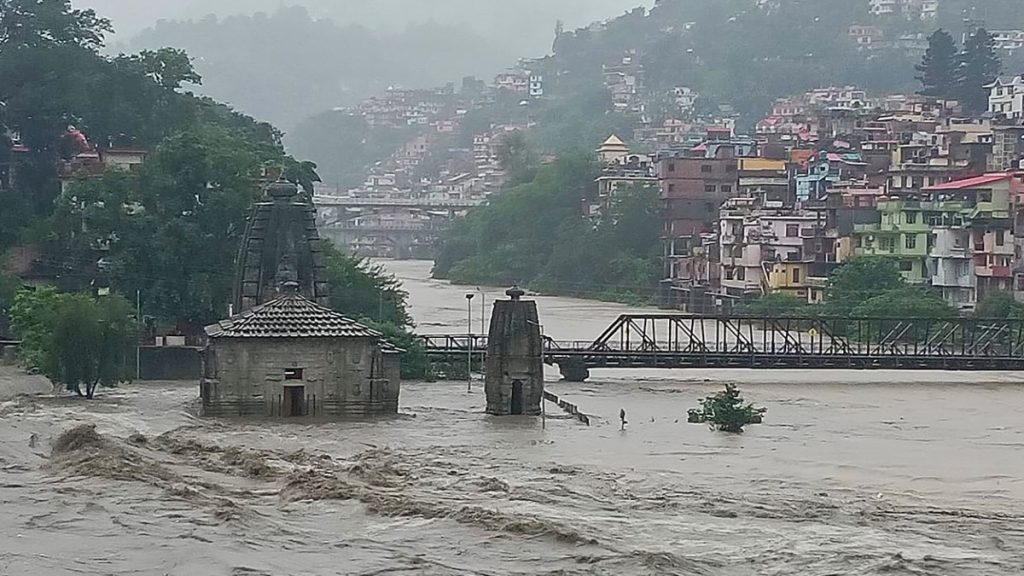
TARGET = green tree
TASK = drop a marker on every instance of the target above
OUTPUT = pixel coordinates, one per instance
(860, 280)
(909, 301)
(9, 288)
(365, 291)
(1000, 305)
(979, 65)
(726, 411)
(415, 364)
(34, 23)
(170, 230)
(75, 340)
(939, 70)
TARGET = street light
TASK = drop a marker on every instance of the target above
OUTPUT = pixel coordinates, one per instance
(483, 309)
(469, 340)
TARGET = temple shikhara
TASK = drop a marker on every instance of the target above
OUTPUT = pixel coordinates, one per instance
(284, 353)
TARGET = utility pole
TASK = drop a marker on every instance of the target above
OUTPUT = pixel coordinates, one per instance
(483, 309)
(138, 337)
(469, 342)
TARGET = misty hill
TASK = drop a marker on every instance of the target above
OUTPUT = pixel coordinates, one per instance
(288, 65)
(321, 54)
(745, 53)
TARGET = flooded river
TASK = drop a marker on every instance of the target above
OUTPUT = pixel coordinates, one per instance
(853, 473)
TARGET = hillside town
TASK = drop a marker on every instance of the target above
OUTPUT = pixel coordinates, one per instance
(830, 175)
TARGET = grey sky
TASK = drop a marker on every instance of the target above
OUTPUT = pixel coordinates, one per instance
(486, 16)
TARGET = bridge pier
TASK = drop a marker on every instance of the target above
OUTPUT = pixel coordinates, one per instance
(514, 377)
(573, 370)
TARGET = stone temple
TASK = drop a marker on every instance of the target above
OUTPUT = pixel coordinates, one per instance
(281, 244)
(284, 353)
(514, 375)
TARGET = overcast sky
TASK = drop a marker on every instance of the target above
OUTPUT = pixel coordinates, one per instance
(131, 16)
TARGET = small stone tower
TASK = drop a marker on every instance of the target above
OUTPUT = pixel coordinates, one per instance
(515, 358)
(281, 245)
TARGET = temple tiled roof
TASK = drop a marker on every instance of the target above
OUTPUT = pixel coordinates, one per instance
(290, 316)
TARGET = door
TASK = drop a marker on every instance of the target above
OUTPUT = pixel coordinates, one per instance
(517, 398)
(294, 401)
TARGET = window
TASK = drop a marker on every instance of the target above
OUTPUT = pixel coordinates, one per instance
(792, 230)
(709, 188)
(293, 373)
(796, 275)
(911, 217)
(671, 188)
(886, 244)
(1000, 237)
(859, 242)
(906, 265)
(911, 241)
(671, 166)
(706, 168)
(726, 189)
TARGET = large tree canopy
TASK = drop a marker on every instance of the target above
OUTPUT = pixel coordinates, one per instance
(940, 68)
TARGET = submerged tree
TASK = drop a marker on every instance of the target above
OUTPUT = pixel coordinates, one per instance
(77, 341)
(726, 411)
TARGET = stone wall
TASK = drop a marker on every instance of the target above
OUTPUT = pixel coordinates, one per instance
(515, 350)
(169, 363)
(339, 376)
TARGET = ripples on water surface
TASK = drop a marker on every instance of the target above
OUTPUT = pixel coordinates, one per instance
(853, 473)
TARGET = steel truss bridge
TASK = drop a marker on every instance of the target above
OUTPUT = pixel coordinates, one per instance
(688, 341)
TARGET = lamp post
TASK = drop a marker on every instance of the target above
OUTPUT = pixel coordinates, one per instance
(483, 309)
(469, 342)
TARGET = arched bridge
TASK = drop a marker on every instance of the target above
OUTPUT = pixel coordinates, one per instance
(689, 341)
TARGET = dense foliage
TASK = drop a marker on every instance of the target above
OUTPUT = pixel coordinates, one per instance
(167, 233)
(859, 281)
(534, 235)
(77, 341)
(365, 291)
(953, 74)
(726, 411)
(1000, 306)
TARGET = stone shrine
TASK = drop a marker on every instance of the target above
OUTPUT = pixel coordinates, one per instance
(293, 357)
(281, 245)
(283, 352)
(514, 376)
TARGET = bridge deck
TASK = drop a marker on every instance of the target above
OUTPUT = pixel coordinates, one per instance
(685, 341)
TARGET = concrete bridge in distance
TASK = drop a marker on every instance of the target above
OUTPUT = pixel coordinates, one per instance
(418, 203)
(388, 227)
(694, 341)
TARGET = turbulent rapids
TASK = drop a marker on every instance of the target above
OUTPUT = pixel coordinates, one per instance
(863, 473)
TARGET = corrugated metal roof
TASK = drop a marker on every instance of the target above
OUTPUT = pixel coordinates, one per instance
(974, 182)
(290, 316)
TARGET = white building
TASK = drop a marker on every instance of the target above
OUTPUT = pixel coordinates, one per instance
(883, 7)
(951, 266)
(685, 99)
(1006, 97)
(536, 85)
(1008, 40)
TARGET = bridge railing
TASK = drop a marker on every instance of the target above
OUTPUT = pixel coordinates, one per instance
(680, 334)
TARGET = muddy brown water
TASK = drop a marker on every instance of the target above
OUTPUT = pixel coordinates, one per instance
(853, 473)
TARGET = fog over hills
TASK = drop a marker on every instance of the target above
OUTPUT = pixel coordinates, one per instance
(522, 22)
(290, 63)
